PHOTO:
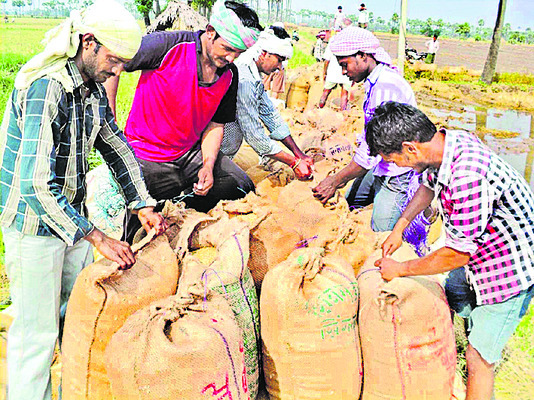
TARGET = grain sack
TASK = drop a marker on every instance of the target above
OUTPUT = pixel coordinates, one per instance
(102, 299)
(179, 348)
(354, 240)
(229, 276)
(271, 240)
(246, 157)
(297, 96)
(308, 327)
(324, 119)
(406, 333)
(5, 323)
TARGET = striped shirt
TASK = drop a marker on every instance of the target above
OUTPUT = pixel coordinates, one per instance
(488, 212)
(254, 109)
(383, 84)
(45, 139)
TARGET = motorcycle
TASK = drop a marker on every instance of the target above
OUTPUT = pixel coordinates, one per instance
(412, 54)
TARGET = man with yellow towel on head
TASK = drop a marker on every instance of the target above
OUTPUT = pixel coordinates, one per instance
(57, 112)
(186, 93)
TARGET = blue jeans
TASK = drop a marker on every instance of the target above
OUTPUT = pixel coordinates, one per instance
(490, 326)
(387, 193)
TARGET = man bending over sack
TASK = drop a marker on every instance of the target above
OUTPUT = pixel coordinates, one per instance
(376, 181)
(185, 95)
(255, 109)
(488, 215)
(57, 112)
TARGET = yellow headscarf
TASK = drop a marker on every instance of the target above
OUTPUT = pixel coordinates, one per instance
(110, 23)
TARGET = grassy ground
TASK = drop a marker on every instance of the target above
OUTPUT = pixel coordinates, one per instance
(22, 40)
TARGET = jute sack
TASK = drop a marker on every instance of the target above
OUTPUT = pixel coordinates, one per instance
(354, 240)
(179, 348)
(229, 276)
(102, 299)
(246, 157)
(310, 339)
(406, 333)
(297, 96)
(271, 240)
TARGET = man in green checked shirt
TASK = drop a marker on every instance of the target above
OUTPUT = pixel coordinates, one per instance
(57, 112)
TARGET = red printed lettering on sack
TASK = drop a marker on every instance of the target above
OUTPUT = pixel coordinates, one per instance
(223, 392)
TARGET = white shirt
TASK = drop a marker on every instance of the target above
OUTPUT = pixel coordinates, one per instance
(338, 22)
(363, 17)
(334, 73)
(432, 46)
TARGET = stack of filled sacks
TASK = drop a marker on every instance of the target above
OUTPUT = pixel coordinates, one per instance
(282, 219)
(220, 264)
(215, 256)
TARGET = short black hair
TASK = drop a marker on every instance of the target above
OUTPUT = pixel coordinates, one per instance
(247, 15)
(339, 7)
(362, 5)
(279, 32)
(394, 123)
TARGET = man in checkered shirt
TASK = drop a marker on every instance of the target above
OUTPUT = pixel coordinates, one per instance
(57, 112)
(488, 215)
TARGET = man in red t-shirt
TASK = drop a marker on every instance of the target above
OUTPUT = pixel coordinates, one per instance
(186, 93)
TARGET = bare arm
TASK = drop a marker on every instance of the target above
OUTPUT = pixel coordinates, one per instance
(442, 260)
(112, 85)
(327, 188)
(211, 143)
(420, 201)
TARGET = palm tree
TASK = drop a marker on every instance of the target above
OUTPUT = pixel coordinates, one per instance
(491, 60)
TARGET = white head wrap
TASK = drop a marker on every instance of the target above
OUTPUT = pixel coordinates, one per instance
(270, 43)
(110, 23)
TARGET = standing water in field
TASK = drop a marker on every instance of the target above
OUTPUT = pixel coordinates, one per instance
(509, 133)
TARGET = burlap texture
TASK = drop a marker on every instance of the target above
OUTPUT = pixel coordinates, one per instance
(407, 336)
(229, 276)
(179, 348)
(102, 299)
(310, 339)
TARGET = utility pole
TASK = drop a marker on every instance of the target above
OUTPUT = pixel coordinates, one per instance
(402, 36)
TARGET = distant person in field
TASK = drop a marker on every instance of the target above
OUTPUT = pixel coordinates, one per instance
(332, 77)
(376, 181)
(363, 17)
(320, 45)
(255, 110)
(56, 114)
(339, 17)
(488, 216)
(186, 93)
(432, 49)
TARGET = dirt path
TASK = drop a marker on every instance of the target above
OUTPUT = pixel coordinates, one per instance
(472, 55)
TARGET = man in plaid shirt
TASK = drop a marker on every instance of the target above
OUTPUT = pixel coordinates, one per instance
(57, 112)
(488, 215)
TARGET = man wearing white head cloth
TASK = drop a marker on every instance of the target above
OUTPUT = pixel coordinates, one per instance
(376, 181)
(57, 112)
(255, 109)
(185, 95)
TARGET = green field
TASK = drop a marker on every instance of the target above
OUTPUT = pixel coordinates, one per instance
(21, 40)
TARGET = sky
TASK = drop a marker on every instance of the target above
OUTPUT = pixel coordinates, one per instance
(519, 13)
